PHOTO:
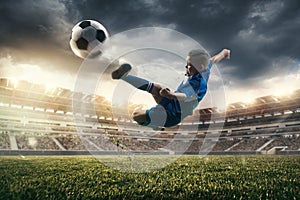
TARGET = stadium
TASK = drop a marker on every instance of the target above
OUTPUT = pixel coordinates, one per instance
(66, 128)
(36, 120)
(44, 149)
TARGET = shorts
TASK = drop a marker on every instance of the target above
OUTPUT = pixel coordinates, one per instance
(165, 114)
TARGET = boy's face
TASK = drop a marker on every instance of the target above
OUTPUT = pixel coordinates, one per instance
(190, 69)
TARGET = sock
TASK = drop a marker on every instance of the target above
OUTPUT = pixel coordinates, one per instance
(139, 83)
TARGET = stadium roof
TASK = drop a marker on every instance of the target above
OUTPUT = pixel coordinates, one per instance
(59, 99)
(41, 96)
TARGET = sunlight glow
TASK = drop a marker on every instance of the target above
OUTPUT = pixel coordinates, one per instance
(50, 88)
(277, 86)
(15, 82)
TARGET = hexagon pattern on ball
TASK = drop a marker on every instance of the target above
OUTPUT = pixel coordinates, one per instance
(86, 36)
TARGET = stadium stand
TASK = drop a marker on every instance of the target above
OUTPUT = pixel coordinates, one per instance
(35, 117)
(4, 140)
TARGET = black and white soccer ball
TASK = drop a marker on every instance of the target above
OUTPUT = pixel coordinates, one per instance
(86, 36)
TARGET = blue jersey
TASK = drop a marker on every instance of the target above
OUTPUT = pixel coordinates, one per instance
(170, 112)
(195, 89)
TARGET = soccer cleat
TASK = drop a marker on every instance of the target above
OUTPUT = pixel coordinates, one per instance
(157, 128)
(121, 71)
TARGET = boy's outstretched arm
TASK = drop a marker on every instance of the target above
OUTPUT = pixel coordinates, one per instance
(225, 53)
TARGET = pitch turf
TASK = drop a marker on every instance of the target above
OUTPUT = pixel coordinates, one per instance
(190, 177)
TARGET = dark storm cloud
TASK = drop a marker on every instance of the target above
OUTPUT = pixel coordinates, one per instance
(270, 32)
(23, 21)
(258, 32)
(34, 31)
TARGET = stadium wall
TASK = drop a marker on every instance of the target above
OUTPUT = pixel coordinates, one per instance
(70, 153)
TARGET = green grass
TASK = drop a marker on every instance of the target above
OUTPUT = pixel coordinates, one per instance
(190, 177)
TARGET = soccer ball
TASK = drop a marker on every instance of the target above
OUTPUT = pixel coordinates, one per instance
(86, 35)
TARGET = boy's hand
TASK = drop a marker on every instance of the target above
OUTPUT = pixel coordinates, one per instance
(226, 53)
(165, 92)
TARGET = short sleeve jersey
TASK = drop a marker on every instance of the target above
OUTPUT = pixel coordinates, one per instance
(195, 89)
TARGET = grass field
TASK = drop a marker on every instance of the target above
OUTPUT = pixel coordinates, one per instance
(190, 177)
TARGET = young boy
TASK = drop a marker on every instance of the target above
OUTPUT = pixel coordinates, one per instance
(173, 107)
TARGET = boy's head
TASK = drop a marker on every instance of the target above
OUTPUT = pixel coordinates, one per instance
(199, 59)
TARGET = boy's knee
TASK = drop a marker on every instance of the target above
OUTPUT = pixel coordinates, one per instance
(135, 115)
(156, 89)
(139, 116)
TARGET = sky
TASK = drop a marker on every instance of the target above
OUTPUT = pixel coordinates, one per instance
(263, 37)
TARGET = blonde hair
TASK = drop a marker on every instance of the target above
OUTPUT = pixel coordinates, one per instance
(197, 58)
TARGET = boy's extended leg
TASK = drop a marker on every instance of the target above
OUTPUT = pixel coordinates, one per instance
(157, 115)
(139, 83)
